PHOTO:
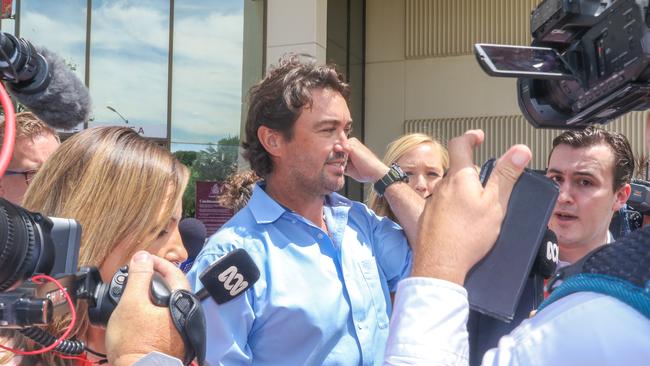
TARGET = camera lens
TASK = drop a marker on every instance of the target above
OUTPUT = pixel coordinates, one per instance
(24, 249)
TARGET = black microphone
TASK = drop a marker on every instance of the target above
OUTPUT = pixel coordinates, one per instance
(42, 82)
(193, 233)
(547, 257)
(228, 277)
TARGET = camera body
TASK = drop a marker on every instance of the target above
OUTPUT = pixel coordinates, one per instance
(606, 45)
(31, 243)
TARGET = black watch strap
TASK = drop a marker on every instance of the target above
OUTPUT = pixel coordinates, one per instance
(395, 174)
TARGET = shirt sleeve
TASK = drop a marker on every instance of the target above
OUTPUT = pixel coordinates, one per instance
(428, 328)
(392, 250)
(429, 324)
(229, 324)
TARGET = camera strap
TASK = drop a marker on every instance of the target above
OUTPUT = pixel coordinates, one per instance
(189, 319)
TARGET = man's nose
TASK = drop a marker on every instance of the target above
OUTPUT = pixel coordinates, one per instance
(341, 144)
(565, 193)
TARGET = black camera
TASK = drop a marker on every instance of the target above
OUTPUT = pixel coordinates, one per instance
(31, 244)
(590, 62)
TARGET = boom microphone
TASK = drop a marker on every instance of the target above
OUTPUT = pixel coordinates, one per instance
(228, 277)
(43, 83)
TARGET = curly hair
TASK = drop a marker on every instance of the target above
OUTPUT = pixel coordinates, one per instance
(277, 101)
(237, 190)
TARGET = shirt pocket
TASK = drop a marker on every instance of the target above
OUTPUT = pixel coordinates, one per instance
(371, 277)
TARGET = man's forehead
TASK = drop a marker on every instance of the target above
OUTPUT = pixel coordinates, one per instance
(598, 158)
(31, 152)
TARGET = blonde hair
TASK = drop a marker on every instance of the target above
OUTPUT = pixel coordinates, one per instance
(28, 125)
(116, 184)
(396, 150)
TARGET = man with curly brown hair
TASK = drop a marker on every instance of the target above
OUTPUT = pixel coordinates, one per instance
(327, 264)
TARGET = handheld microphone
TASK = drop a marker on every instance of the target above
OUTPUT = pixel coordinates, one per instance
(547, 257)
(228, 277)
(43, 83)
(193, 233)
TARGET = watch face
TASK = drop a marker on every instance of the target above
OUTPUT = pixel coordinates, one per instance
(397, 173)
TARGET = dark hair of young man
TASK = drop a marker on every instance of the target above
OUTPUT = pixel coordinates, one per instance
(594, 135)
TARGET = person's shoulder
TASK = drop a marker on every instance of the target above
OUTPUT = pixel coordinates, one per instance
(241, 231)
(589, 310)
(337, 200)
(582, 328)
(360, 212)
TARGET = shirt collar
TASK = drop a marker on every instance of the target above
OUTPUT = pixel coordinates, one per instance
(266, 210)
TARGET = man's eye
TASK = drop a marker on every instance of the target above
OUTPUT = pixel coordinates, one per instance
(163, 233)
(585, 183)
(408, 173)
(434, 174)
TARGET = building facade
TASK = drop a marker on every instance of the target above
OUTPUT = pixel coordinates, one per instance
(179, 70)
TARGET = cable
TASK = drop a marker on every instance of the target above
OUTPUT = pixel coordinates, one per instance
(98, 354)
(10, 130)
(69, 347)
(39, 279)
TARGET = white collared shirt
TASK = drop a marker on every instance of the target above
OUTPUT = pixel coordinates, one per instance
(428, 327)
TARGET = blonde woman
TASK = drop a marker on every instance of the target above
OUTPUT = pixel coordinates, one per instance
(126, 193)
(423, 159)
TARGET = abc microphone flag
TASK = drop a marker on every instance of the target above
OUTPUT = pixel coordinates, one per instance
(228, 277)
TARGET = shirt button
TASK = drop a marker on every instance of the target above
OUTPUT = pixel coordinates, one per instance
(320, 236)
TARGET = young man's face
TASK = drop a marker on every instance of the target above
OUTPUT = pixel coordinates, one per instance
(587, 199)
(316, 156)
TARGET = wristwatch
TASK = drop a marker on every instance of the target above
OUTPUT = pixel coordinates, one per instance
(395, 174)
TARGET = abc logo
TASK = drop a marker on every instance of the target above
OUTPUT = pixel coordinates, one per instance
(232, 281)
(552, 251)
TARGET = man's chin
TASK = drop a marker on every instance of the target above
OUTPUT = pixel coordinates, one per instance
(335, 185)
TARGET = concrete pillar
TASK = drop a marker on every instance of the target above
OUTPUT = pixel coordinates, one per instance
(298, 26)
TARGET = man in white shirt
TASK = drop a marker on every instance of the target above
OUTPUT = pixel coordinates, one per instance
(593, 168)
(458, 227)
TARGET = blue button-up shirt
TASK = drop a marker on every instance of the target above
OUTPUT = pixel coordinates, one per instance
(320, 299)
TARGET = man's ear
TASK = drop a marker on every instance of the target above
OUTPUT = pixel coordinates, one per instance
(621, 195)
(271, 140)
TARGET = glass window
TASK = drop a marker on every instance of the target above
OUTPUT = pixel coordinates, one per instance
(129, 64)
(207, 70)
(209, 162)
(58, 26)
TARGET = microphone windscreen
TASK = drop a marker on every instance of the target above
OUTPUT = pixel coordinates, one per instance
(548, 256)
(230, 276)
(193, 233)
(64, 103)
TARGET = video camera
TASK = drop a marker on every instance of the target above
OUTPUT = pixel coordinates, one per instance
(30, 244)
(590, 62)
